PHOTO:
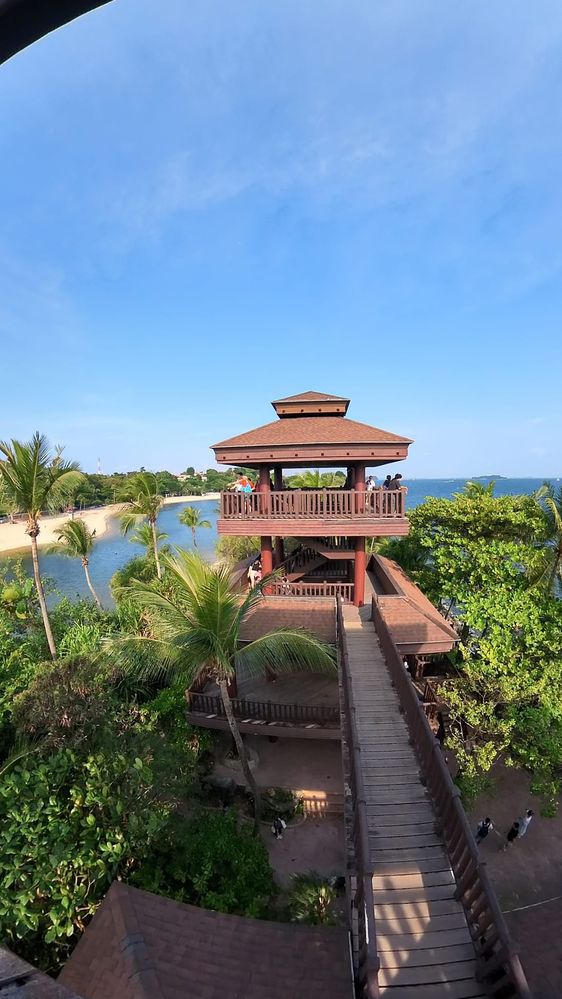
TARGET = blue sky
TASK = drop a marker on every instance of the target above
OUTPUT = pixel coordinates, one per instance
(231, 202)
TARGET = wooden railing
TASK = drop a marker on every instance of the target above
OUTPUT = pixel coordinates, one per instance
(499, 966)
(324, 715)
(363, 899)
(314, 504)
(300, 589)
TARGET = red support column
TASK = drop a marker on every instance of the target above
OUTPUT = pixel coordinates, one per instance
(360, 567)
(266, 557)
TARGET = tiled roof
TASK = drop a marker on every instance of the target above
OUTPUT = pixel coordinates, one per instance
(311, 397)
(411, 617)
(312, 430)
(22, 980)
(143, 946)
(316, 615)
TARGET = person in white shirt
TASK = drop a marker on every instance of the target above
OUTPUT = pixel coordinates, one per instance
(525, 822)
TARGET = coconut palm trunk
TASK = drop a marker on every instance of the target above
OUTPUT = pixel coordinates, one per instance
(155, 546)
(194, 538)
(85, 563)
(33, 532)
(240, 747)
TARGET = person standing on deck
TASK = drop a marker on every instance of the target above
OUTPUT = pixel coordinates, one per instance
(387, 481)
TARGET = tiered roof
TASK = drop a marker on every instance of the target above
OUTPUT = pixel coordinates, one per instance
(313, 427)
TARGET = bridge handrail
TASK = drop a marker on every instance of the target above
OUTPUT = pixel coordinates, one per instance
(499, 965)
(368, 958)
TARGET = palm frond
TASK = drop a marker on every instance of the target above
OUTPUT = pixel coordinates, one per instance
(288, 650)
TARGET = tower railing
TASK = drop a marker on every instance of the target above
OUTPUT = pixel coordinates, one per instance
(314, 504)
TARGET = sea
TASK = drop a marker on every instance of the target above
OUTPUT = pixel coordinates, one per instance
(112, 550)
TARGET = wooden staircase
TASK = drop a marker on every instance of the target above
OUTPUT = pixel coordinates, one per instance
(424, 944)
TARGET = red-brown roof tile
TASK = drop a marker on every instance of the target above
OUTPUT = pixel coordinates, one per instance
(313, 430)
(316, 615)
(311, 397)
(18, 978)
(411, 617)
(142, 946)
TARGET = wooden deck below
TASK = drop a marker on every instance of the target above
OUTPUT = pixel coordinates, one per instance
(424, 944)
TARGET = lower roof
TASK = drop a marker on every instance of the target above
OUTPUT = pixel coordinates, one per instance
(20, 979)
(416, 625)
(143, 946)
(314, 614)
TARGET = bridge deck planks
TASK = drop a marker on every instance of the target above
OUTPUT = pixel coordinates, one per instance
(423, 939)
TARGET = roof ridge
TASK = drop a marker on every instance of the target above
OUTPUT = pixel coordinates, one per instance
(141, 970)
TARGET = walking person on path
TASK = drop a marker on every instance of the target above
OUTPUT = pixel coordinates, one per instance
(525, 822)
(484, 827)
(512, 835)
(277, 827)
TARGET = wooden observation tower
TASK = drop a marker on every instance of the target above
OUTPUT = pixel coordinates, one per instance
(312, 430)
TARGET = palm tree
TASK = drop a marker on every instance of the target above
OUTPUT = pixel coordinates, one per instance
(196, 632)
(145, 503)
(549, 573)
(143, 536)
(317, 480)
(33, 476)
(475, 490)
(76, 540)
(191, 517)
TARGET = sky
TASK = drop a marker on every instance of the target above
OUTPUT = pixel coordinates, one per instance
(228, 203)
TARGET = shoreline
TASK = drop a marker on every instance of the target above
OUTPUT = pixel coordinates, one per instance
(14, 541)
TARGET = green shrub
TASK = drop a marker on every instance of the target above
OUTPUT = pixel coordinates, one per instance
(311, 900)
(280, 802)
(68, 827)
(212, 860)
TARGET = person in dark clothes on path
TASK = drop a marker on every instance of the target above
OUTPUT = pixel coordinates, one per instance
(484, 827)
(512, 835)
(277, 827)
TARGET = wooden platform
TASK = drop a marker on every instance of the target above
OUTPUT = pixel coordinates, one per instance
(424, 944)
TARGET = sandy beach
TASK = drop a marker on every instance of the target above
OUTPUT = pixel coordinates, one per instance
(14, 539)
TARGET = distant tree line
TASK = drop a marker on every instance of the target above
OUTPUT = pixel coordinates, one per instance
(99, 490)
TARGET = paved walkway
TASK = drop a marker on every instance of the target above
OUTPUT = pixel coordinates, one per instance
(424, 944)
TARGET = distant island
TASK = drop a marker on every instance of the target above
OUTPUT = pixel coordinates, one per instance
(476, 478)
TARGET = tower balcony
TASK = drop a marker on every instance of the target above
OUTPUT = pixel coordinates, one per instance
(314, 512)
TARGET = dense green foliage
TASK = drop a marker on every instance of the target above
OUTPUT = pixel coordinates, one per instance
(212, 860)
(478, 556)
(68, 827)
(311, 900)
(95, 762)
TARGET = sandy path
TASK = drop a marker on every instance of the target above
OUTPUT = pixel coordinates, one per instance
(13, 537)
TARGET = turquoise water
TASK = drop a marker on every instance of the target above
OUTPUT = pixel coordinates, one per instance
(112, 550)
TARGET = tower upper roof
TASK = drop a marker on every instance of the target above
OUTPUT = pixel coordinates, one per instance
(312, 427)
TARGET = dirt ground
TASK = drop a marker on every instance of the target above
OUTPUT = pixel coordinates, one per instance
(293, 763)
(527, 877)
(314, 845)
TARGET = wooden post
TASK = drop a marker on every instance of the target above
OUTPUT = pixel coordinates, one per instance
(264, 485)
(360, 567)
(278, 478)
(279, 552)
(266, 556)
